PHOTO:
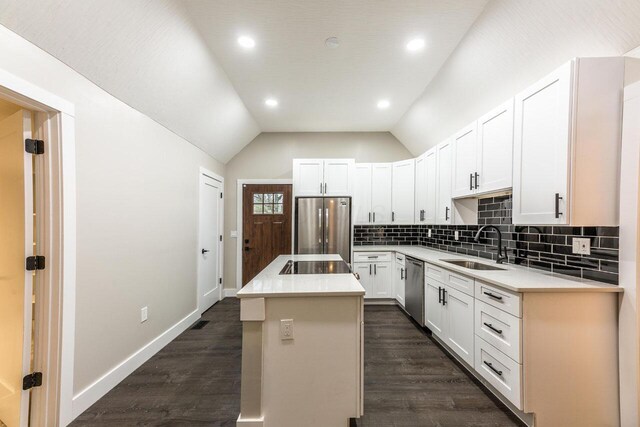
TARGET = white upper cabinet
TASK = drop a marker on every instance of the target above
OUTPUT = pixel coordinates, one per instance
(362, 194)
(495, 149)
(464, 165)
(338, 177)
(403, 192)
(443, 191)
(381, 187)
(425, 198)
(323, 177)
(567, 145)
(431, 165)
(308, 177)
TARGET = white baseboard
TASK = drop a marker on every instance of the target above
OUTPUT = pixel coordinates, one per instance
(87, 397)
(230, 292)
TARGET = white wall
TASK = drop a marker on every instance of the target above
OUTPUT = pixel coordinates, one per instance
(137, 188)
(270, 155)
(513, 44)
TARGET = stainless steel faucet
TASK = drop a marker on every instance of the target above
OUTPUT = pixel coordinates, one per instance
(502, 252)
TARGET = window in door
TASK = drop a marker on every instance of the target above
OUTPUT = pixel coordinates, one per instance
(268, 203)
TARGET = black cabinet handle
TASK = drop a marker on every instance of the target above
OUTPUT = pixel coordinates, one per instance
(470, 181)
(325, 188)
(204, 251)
(402, 274)
(490, 326)
(444, 296)
(489, 294)
(476, 177)
(558, 198)
(492, 368)
(369, 216)
(375, 269)
(370, 266)
(320, 188)
(421, 214)
(446, 213)
(439, 295)
(374, 217)
(393, 216)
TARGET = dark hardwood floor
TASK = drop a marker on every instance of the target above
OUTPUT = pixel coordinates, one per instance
(195, 380)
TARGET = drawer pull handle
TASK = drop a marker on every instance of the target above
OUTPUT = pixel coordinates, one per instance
(492, 368)
(439, 295)
(490, 326)
(372, 257)
(489, 294)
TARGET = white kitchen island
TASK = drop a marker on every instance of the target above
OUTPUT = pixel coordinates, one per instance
(302, 347)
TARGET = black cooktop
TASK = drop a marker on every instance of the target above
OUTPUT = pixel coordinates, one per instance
(316, 267)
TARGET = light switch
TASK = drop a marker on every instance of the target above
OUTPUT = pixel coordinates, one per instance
(234, 234)
(143, 314)
(286, 329)
(581, 246)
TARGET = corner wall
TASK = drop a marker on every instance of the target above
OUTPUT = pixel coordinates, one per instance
(270, 155)
(137, 198)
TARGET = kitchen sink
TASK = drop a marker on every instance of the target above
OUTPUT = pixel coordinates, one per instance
(471, 264)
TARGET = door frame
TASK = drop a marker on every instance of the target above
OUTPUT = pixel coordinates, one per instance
(240, 218)
(52, 405)
(206, 172)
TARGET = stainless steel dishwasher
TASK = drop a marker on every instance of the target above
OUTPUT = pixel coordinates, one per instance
(414, 289)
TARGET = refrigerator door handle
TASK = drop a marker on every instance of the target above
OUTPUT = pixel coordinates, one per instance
(326, 219)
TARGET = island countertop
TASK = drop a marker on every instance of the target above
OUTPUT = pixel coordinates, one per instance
(270, 283)
(511, 277)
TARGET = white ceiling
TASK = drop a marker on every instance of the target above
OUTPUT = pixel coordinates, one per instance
(178, 61)
(323, 89)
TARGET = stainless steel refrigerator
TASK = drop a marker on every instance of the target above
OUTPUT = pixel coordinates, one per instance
(323, 226)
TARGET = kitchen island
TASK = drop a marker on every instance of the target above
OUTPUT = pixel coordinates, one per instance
(302, 351)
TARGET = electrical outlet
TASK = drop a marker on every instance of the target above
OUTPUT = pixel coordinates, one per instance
(581, 246)
(143, 314)
(286, 329)
(429, 232)
(456, 235)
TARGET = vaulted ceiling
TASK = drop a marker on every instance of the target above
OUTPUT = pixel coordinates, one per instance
(179, 61)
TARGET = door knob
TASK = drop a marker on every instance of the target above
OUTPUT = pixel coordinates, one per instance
(204, 251)
(246, 248)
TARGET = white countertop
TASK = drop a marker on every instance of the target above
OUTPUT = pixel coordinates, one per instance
(514, 278)
(269, 283)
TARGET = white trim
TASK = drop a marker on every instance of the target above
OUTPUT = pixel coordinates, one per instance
(230, 293)
(210, 174)
(60, 230)
(240, 183)
(87, 397)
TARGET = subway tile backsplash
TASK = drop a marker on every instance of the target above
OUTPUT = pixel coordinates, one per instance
(543, 247)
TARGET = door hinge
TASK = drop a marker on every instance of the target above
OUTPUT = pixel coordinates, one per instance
(35, 263)
(34, 146)
(32, 380)
(220, 280)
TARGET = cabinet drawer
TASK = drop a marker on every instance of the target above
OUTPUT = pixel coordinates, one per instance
(500, 329)
(434, 272)
(461, 283)
(501, 298)
(500, 371)
(400, 258)
(372, 257)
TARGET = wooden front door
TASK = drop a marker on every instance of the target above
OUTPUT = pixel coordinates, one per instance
(266, 226)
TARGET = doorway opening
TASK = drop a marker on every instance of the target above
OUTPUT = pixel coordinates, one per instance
(266, 226)
(210, 226)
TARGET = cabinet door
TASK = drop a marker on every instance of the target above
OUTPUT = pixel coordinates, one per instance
(458, 324)
(365, 271)
(398, 283)
(433, 308)
(495, 149)
(431, 166)
(420, 198)
(308, 177)
(465, 147)
(381, 192)
(403, 192)
(443, 211)
(362, 194)
(541, 150)
(383, 278)
(338, 177)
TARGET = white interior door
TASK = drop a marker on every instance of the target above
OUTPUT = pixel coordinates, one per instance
(209, 286)
(16, 284)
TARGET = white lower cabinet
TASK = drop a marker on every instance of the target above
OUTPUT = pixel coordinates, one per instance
(449, 315)
(376, 275)
(501, 330)
(399, 278)
(499, 370)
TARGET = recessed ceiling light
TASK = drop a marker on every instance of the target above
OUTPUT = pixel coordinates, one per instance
(246, 42)
(415, 44)
(383, 103)
(271, 102)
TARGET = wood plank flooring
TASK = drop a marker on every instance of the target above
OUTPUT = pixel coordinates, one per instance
(195, 380)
